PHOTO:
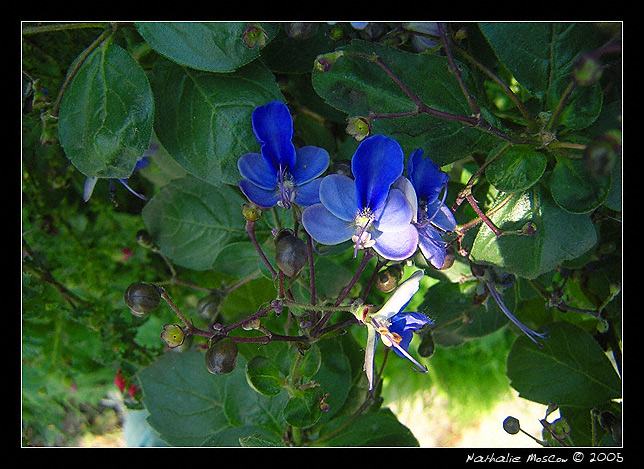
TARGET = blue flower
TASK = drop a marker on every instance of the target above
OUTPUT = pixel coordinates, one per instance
(394, 327)
(280, 175)
(90, 183)
(432, 218)
(367, 210)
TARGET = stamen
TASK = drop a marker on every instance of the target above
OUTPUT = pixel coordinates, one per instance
(286, 187)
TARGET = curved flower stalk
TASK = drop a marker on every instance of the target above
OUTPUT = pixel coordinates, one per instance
(394, 327)
(90, 183)
(280, 175)
(488, 282)
(367, 210)
(432, 217)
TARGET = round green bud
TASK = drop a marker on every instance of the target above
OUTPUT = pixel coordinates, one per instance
(144, 239)
(511, 425)
(427, 346)
(388, 279)
(290, 252)
(254, 36)
(142, 298)
(251, 212)
(208, 306)
(221, 356)
(173, 335)
(586, 71)
(358, 127)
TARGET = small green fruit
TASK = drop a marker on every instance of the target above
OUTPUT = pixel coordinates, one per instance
(142, 298)
(173, 335)
(221, 356)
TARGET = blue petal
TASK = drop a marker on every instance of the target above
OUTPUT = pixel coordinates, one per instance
(426, 177)
(324, 227)
(397, 245)
(261, 197)
(253, 167)
(376, 164)
(403, 184)
(337, 193)
(441, 216)
(404, 324)
(432, 246)
(311, 162)
(273, 127)
(396, 213)
(308, 194)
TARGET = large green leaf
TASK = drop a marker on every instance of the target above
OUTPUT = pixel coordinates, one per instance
(203, 119)
(537, 54)
(190, 407)
(559, 235)
(208, 46)
(106, 114)
(570, 369)
(358, 86)
(192, 221)
(575, 188)
(377, 429)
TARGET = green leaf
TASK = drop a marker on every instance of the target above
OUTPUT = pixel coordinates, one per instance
(190, 407)
(359, 87)
(192, 221)
(575, 188)
(570, 369)
(211, 46)
(106, 114)
(537, 54)
(264, 376)
(517, 169)
(303, 409)
(376, 429)
(559, 235)
(204, 119)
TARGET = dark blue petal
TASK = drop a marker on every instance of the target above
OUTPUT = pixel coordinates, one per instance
(273, 127)
(376, 164)
(337, 193)
(324, 227)
(404, 324)
(252, 166)
(261, 197)
(426, 177)
(397, 245)
(311, 162)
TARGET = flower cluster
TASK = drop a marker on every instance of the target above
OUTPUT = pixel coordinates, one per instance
(378, 208)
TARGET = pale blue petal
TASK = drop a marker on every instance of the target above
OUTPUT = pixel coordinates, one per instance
(308, 194)
(337, 193)
(397, 245)
(273, 127)
(396, 213)
(311, 162)
(403, 184)
(376, 164)
(261, 197)
(324, 227)
(253, 167)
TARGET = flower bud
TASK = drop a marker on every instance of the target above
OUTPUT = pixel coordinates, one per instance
(586, 71)
(221, 356)
(358, 127)
(388, 279)
(254, 36)
(290, 252)
(144, 239)
(427, 346)
(173, 335)
(601, 155)
(251, 212)
(142, 298)
(529, 229)
(324, 62)
(208, 306)
(299, 30)
(511, 425)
